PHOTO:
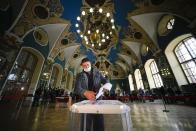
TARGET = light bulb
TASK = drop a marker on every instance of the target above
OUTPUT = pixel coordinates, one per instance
(78, 31)
(93, 45)
(112, 20)
(77, 25)
(83, 12)
(100, 10)
(108, 14)
(97, 31)
(78, 18)
(22, 88)
(103, 40)
(85, 38)
(91, 10)
(113, 27)
(89, 31)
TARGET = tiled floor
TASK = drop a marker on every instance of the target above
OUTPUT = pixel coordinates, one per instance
(55, 117)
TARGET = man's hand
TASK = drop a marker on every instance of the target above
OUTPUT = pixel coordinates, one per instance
(90, 95)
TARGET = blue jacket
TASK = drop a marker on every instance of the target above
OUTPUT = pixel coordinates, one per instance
(81, 84)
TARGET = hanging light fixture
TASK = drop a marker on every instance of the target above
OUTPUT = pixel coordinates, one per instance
(95, 27)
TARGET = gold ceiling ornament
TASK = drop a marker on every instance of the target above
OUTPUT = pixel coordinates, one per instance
(94, 37)
(41, 36)
(104, 66)
(96, 28)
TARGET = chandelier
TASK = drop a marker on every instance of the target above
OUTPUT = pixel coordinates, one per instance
(96, 28)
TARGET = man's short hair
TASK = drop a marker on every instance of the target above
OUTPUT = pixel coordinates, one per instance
(84, 60)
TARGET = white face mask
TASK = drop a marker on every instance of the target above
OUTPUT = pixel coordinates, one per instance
(87, 69)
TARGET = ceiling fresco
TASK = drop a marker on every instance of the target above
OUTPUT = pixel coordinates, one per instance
(114, 34)
(109, 51)
(133, 36)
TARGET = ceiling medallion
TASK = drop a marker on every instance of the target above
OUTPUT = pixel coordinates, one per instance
(96, 28)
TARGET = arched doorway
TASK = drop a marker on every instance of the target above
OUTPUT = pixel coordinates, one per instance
(23, 77)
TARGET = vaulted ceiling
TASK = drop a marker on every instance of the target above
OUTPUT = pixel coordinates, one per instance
(136, 22)
(136, 27)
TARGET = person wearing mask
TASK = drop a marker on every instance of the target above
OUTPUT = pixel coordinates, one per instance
(88, 83)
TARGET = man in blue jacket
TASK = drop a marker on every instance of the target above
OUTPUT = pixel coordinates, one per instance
(88, 83)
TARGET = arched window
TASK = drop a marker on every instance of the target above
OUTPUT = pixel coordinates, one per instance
(155, 74)
(54, 77)
(19, 79)
(131, 83)
(138, 79)
(23, 68)
(170, 24)
(186, 54)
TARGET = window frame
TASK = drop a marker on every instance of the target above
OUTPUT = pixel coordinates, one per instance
(170, 23)
(140, 81)
(191, 78)
(156, 73)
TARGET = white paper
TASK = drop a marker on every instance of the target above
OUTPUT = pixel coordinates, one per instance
(100, 93)
(106, 86)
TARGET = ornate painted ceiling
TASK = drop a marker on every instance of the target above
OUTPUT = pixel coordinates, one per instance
(128, 29)
(135, 27)
(116, 56)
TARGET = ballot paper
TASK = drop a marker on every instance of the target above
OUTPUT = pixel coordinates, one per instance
(106, 86)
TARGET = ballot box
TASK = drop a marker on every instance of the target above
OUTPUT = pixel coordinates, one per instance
(116, 115)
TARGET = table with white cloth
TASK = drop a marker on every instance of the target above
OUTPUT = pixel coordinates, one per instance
(113, 107)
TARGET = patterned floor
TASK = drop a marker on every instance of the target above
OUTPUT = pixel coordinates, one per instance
(55, 117)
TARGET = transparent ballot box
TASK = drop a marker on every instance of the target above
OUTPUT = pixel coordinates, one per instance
(115, 116)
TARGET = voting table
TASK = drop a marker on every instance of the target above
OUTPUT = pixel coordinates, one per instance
(113, 107)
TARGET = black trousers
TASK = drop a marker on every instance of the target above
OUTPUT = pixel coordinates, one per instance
(94, 122)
